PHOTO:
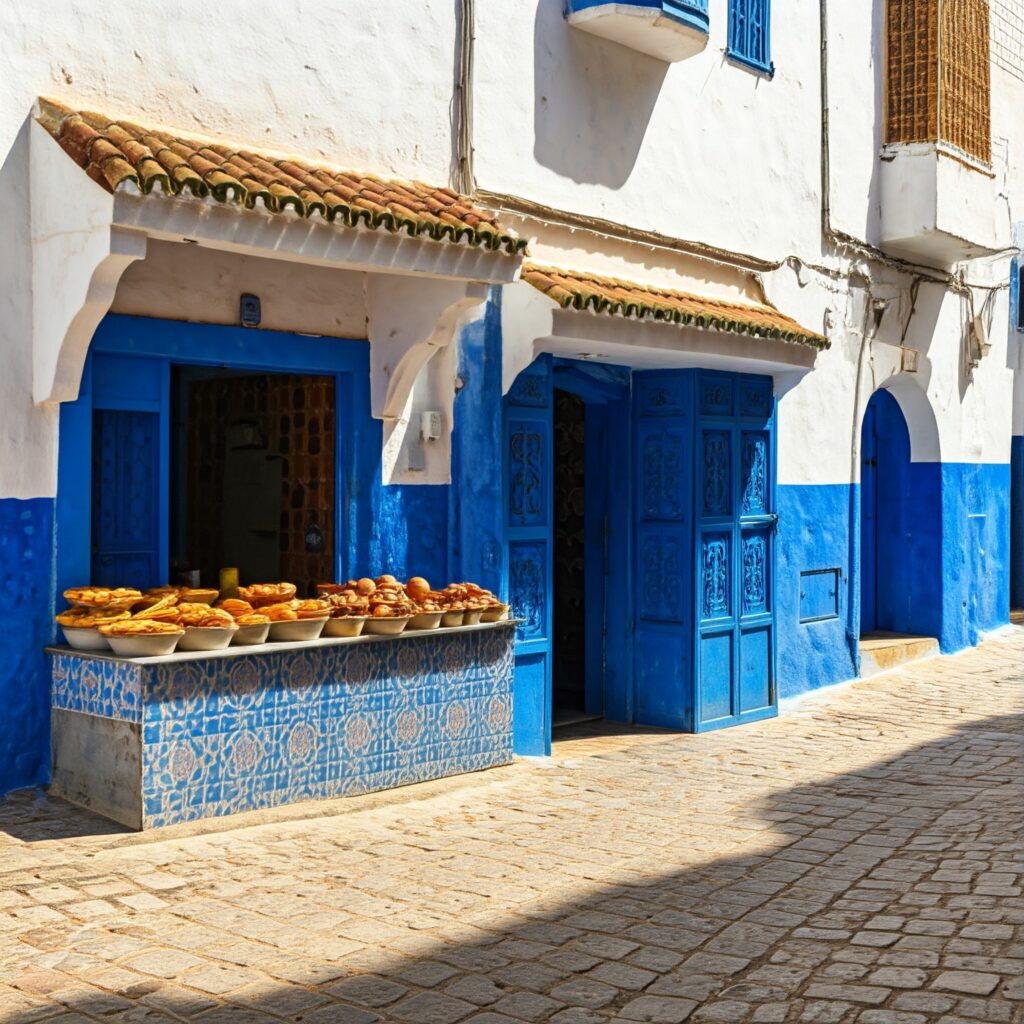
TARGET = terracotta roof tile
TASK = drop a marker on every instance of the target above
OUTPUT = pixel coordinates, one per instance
(627, 298)
(114, 152)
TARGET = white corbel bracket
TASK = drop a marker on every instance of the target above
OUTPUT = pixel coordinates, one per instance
(411, 322)
(78, 257)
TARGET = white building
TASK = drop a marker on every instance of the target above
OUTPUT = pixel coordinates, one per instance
(759, 356)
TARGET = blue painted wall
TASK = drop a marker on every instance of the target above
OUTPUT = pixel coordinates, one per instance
(1017, 522)
(949, 554)
(814, 535)
(26, 574)
(975, 551)
(476, 525)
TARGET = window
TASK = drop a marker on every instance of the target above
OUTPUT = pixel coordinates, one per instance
(938, 74)
(750, 34)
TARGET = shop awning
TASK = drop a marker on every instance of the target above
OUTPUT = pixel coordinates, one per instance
(118, 153)
(606, 295)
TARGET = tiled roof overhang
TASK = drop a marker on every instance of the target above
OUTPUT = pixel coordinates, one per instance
(584, 291)
(117, 152)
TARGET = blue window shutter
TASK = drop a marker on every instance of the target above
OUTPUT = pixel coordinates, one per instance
(750, 34)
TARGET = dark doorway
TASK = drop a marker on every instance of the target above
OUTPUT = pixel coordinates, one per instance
(253, 475)
(569, 662)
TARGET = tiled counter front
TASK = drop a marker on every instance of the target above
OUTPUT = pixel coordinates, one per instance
(156, 741)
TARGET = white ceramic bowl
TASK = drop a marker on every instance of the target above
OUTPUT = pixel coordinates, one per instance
(85, 638)
(452, 618)
(206, 638)
(472, 617)
(387, 626)
(152, 645)
(495, 614)
(345, 625)
(257, 633)
(297, 629)
(426, 620)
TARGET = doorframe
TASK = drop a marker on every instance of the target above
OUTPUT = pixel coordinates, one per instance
(609, 637)
(605, 564)
(173, 342)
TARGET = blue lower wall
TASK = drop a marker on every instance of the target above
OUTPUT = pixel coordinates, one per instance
(814, 534)
(944, 546)
(26, 573)
(1017, 521)
(975, 551)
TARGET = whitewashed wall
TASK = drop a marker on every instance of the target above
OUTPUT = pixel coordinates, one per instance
(703, 150)
(363, 85)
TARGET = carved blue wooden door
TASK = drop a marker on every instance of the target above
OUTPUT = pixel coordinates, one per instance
(126, 495)
(130, 459)
(734, 552)
(663, 509)
(528, 527)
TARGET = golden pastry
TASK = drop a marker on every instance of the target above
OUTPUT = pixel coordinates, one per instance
(140, 627)
(103, 597)
(267, 593)
(236, 606)
(87, 618)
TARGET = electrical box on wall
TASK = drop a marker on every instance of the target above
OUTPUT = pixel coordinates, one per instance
(430, 426)
(250, 313)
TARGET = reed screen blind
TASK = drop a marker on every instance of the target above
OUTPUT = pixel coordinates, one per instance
(938, 74)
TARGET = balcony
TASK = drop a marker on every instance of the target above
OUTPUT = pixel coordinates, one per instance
(938, 191)
(670, 30)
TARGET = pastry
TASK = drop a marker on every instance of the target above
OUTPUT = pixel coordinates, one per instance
(103, 597)
(280, 612)
(204, 617)
(267, 593)
(252, 619)
(162, 608)
(236, 606)
(88, 618)
(140, 627)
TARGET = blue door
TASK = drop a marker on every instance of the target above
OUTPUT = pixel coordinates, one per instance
(130, 456)
(663, 566)
(705, 549)
(126, 498)
(869, 520)
(734, 553)
(529, 520)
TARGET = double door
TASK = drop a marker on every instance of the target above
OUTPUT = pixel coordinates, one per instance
(698, 541)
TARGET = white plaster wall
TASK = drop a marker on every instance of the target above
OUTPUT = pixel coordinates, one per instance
(702, 149)
(363, 85)
(189, 282)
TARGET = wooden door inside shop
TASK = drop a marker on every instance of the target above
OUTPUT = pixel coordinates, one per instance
(253, 471)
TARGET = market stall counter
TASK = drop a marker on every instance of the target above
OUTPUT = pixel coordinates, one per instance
(155, 741)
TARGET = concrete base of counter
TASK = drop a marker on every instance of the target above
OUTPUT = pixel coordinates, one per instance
(151, 743)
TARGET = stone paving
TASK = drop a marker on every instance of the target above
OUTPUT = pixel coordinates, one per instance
(858, 859)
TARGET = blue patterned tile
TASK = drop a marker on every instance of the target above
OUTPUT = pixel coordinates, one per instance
(224, 735)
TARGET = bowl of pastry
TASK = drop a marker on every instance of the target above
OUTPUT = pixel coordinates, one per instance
(495, 612)
(103, 597)
(206, 628)
(297, 620)
(142, 638)
(253, 626)
(81, 626)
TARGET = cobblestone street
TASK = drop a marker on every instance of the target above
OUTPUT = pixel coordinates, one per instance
(858, 859)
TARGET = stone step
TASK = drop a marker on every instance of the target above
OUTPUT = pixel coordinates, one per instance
(882, 652)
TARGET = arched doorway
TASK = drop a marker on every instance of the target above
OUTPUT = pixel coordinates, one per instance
(900, 528)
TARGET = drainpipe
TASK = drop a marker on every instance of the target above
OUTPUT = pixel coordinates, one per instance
(464, 177)
(853, 544)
